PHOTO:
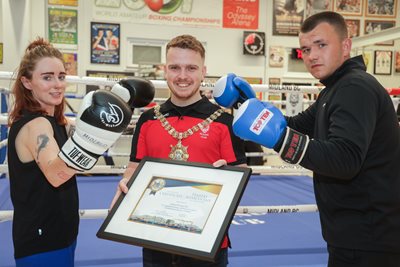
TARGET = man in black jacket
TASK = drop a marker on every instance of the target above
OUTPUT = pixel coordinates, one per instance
(349, 138)
(354, 152)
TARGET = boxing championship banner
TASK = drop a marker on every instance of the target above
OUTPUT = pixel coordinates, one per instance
(200, 13)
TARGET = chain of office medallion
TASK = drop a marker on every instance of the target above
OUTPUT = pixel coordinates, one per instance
(180, 135)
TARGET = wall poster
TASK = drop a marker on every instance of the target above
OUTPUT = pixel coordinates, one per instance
(63, 2)
(287, 17)
(105, 43)
(63, 28)
(381, 9)
(372, 26)
(349, 8)
(71, 67)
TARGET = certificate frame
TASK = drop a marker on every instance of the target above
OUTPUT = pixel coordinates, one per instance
(177, 207)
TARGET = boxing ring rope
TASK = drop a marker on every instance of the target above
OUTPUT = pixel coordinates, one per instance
(269, 170)
(3, 143)
(160, 84)
(7, 215)
(111, 153)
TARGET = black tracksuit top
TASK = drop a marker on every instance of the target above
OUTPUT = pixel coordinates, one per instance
(354, 153)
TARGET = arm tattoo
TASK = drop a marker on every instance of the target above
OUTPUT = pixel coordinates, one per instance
(42, 141)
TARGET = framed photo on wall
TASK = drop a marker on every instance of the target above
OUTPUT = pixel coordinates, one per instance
(353, 27)
(105, 45)
(63, 27)
(71, 68)
(397, 62)
(276, 56)
(381, 9)
(372, 26)
(318, 6)
(63, 2)
(287, 18)
(383, 62)
(348, 8)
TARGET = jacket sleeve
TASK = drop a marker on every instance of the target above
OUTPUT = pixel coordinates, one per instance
(346, 125)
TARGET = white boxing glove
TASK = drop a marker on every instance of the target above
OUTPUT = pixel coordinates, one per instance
(102, 118)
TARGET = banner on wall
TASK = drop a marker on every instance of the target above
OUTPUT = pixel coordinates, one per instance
(242, 14)
(63, 28)
(200, 13)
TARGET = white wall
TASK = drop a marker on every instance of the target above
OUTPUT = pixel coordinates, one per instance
(23, 20)
(16, 32)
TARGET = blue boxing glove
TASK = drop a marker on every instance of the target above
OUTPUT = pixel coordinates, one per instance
(265, 124)
(230, 90)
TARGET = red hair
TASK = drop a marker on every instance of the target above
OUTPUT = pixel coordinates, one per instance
(23, 98)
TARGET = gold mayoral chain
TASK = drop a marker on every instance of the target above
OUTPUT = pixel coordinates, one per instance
(178, 151)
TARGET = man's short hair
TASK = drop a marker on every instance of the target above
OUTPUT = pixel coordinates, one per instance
(332, 18)
(187, 41)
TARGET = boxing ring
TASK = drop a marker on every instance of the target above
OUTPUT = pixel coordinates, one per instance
(276, 223)
(278, 238)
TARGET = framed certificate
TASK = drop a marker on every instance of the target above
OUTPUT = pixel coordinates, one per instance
(177, 207)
